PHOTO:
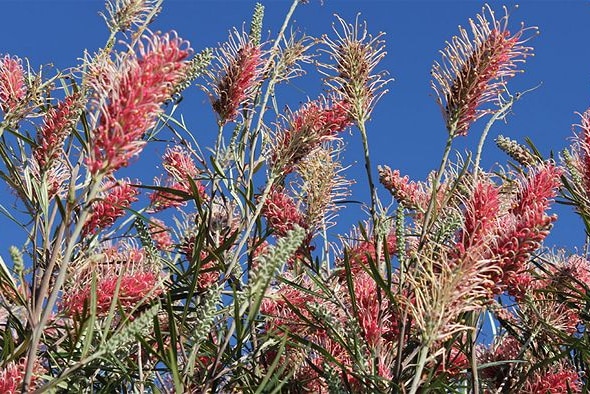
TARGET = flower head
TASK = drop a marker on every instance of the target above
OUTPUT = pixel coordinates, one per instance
(473, 71)
(236, 76)
(117, 197)
(130, 96)
(12, 83)
(356, 54)
(305, 129)
(282, 213)
(122, 14)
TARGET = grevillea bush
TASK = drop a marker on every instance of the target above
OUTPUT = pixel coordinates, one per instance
(220, 275)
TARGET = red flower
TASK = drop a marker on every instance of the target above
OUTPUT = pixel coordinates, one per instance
(131, 98)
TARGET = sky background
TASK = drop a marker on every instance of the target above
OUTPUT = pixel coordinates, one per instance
(407, 131)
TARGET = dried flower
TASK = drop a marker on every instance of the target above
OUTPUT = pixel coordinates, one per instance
(235, 76)
(305, 129)
(111, 205)
(473, 71)
(130, 98)
(12, 83)
(122, 14)
(356, 54)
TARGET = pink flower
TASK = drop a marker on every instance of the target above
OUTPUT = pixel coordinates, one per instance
(56, 127)
(474, 71)
(282, 213)
(12, 83)
(314, 123)
(559, 379)
(160, 235)
(131, 98)
(237, 75)
(409, 193)
(139, 281)
(526, 225)
(181, 173)
(111, 205)
(13, 373)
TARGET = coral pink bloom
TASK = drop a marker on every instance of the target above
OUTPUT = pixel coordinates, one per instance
(131, 99)
(409, 193)
(117, 197)
(124, 264)
(237, 75)
(12, 374)
(527, 224)
(282, 213)
(560, 379)
(314, 123)
(12, 83)
(181, 170)
(473, 71)
(55, 129)
(133, 288)
(160, 235)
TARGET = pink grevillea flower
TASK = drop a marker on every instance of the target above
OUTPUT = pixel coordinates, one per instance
(109, 206)
(235, 77)
(373, 312)
(481, 220)
(314, 123)
(473, 70)
(282, 213)
(130, 98)
(160, 234)
(57, 125)
(361, 251)
(412, 195)
(12, 83)
(139, 282)
(12, 376)
(179, 167)
(527, 224)
(580, 173)
(559, 379)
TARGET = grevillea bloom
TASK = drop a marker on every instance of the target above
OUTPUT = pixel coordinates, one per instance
(314, 123)
(160, 234)
(139, 281)
(130, 98)
(282, 213)
(125, 13)
(56, 127)
(12, 376)
(236, 76)
(527, 224)
(12, 83)
(411, 194)
(560, 379)
(179, 167)
(356, 54)
(473, 71)
(109, 206)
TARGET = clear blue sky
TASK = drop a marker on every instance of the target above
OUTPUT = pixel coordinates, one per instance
(407, 131)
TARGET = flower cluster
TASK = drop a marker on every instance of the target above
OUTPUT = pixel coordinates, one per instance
(130, 95)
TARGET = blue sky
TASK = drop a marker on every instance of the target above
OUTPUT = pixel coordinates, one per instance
(407, 131)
